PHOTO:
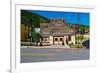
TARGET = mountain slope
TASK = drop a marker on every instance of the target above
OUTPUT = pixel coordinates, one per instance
(31, 18)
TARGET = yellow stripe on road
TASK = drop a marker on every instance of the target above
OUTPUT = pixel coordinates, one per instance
(37, 54)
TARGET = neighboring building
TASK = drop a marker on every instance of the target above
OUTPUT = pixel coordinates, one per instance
(57, 33)
(24, 33)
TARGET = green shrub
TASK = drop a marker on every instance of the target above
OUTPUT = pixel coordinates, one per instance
(78, 46)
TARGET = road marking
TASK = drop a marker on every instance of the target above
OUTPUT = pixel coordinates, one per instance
(37, 54)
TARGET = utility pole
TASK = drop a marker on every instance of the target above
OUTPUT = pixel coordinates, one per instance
(78, 18)
(78, 21)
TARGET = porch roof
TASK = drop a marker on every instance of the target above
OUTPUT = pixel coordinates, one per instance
(57, 34)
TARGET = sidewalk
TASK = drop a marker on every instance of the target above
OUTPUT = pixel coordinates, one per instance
(53, 46)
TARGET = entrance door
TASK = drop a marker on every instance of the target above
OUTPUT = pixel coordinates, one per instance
(58, 40)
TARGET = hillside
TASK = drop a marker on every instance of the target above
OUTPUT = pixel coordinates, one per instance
(79, 27)
(31, 18)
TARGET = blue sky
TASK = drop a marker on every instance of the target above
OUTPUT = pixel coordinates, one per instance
(71, 17)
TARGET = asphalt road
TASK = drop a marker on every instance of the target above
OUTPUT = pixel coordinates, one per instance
(46, 55)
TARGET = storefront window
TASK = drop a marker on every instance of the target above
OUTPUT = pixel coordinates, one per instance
(56, 39)
(60, 39)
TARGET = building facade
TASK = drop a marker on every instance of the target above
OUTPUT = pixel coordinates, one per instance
(57, 33)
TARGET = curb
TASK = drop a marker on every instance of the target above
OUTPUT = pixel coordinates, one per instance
(52, 47)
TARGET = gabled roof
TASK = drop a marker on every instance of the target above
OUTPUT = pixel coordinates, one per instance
(56, 31)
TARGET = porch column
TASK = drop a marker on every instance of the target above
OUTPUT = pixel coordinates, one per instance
(65, 37)
(65, 40)
(73, 39)
(51, 40)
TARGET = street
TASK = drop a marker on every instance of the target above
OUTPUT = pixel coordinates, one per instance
(29, 55)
